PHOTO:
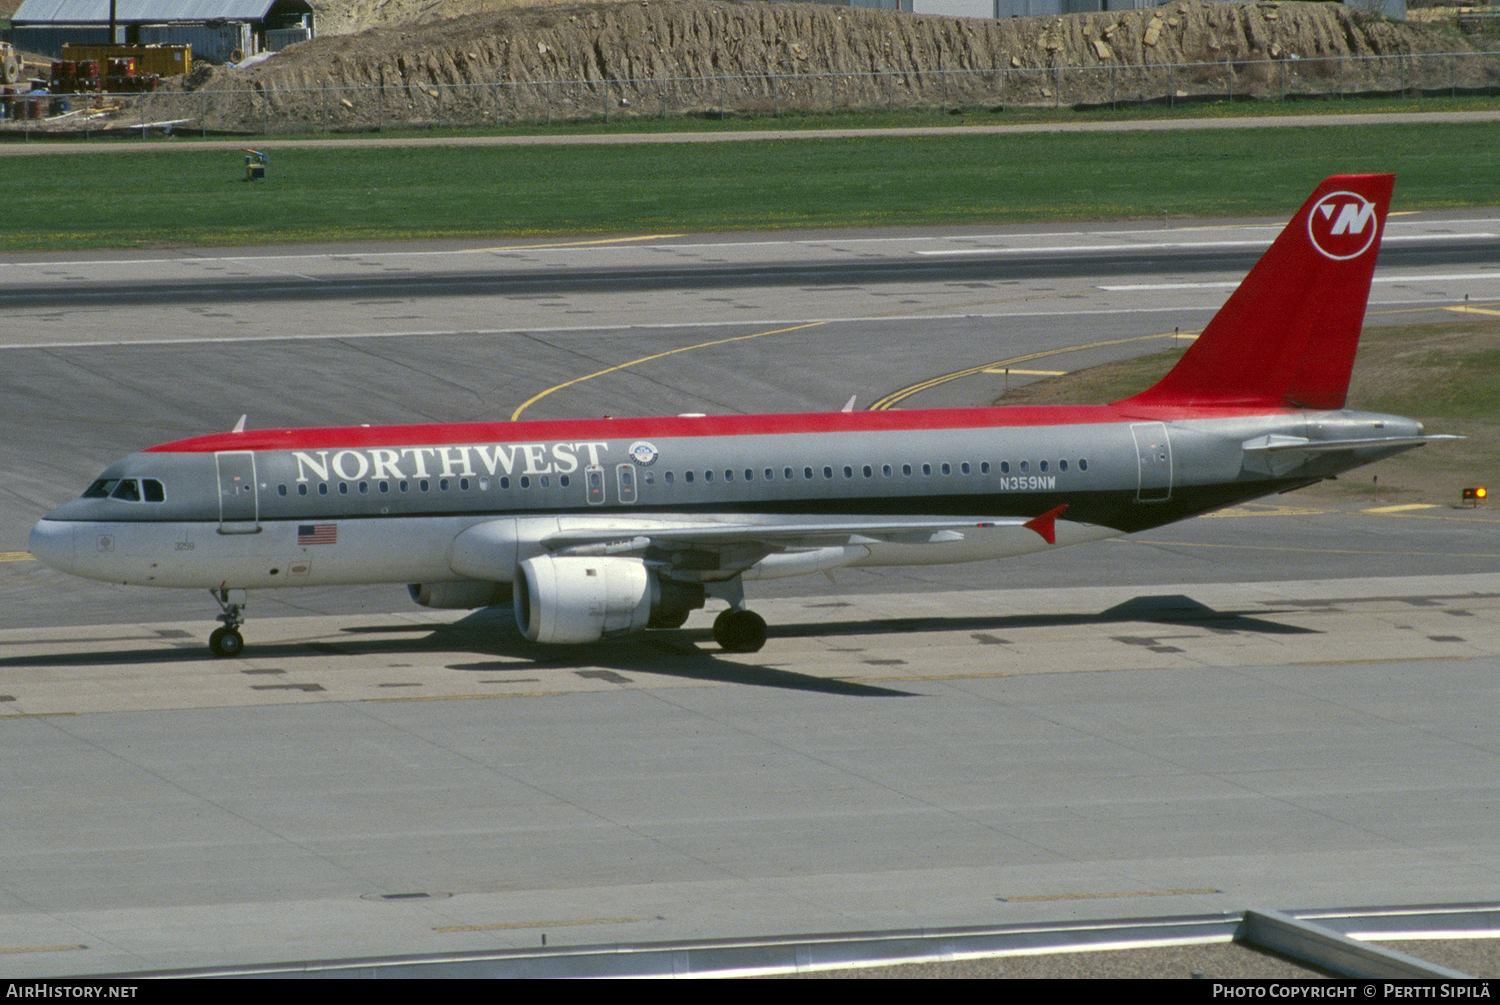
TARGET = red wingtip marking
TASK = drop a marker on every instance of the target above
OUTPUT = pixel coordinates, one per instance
(1046, 524)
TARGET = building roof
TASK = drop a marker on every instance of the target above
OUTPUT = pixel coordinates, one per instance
(97, 11)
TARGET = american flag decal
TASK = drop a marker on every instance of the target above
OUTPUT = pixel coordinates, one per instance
(318, 533)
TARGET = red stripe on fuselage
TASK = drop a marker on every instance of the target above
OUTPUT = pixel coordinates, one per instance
(666, 427)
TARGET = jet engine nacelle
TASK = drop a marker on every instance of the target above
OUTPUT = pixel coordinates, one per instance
(584, 599)
(465, 594)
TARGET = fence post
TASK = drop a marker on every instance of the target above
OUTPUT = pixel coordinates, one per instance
(325, 108)
(1171, 85)
(380, 108)
(1281, 66)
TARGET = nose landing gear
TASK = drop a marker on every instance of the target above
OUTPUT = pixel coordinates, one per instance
(227, 640)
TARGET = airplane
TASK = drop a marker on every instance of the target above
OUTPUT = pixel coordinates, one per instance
(598, 528)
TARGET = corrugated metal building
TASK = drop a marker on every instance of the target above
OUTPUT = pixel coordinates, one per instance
(217, 29)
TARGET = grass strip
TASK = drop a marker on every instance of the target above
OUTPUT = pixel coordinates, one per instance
(191, 197)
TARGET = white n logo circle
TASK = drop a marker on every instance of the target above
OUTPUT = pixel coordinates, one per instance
(1342, 225)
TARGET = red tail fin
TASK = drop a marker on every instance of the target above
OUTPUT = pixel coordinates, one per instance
(1288, 334)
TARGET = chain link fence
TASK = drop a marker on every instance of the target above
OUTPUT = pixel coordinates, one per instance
(261, 110)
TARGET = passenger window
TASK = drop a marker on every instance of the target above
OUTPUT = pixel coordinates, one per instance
(562, 480)
(1025, 466)
(302, 490)
(906, 470)
(947, 469)
(927, 469)
(1005, 467)
(848, 471)
(964, 467)
(343, 488)
(1062, 465)
(1083, 465)
(525, 481)
(827, 472)
(1042, 466)
(984, 468)
(807, 473)
(322, 488)
(670, 477)
(885, 469)
(281, 490)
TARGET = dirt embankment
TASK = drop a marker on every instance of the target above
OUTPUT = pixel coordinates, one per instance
(675, 57)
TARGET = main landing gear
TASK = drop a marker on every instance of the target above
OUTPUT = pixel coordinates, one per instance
(736, 630)
(227, 640)
(740, 631)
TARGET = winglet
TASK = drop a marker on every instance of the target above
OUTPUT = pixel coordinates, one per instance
(239, 427)
(1046, 524)
(849, 405)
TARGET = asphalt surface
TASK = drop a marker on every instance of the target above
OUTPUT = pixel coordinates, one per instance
(1289, 705)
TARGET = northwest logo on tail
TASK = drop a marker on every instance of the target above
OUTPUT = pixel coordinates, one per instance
(1343, 225)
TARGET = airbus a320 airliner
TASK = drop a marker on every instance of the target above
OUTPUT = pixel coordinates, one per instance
(599, 528)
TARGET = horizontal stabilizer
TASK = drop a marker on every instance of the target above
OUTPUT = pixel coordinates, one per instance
(1297, 444)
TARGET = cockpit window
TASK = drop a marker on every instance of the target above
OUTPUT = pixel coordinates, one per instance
(127, 490)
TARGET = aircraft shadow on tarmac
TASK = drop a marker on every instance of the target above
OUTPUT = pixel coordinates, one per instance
(681, 653)
(1176, 610)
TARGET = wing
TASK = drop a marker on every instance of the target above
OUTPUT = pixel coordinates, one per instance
(711, 550)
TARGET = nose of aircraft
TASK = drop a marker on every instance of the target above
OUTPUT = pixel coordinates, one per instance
(52, 543)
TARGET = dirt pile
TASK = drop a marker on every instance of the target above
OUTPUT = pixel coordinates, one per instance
(343, 17)
(648, 57)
